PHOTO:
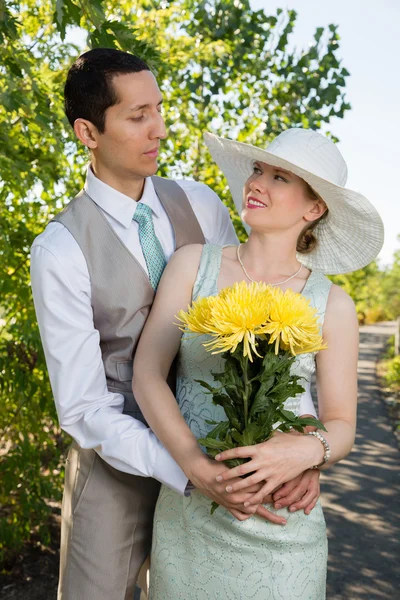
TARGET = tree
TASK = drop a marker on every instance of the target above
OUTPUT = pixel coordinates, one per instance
(230, 69)
(220, 65)
(365, 288)
(40, 167)
(391, 287)
(375, 290)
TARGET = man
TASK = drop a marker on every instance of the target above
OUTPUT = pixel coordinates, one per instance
(95, 270)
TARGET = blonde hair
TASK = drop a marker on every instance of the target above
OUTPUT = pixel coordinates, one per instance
(307, 241)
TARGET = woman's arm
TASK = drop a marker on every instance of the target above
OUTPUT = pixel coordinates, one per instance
(157, 348)
(284, 456)
(337, 375)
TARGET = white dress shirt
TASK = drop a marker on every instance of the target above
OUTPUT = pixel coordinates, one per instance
(90, 413)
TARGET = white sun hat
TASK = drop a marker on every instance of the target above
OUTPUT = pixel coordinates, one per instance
(351, 235)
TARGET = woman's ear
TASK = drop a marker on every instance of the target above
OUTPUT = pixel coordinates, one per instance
(86, 132)
(316, 211)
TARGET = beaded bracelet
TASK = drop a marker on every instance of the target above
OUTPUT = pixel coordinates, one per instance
(326, 446)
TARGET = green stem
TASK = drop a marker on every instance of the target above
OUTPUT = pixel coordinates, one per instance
(247, 390)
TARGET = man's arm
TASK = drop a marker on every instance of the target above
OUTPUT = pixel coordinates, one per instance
(86, 409)
(306, 404)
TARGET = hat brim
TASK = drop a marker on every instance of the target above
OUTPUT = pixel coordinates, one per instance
(349, 238)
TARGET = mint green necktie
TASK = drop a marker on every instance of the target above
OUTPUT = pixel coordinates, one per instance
(151, 246)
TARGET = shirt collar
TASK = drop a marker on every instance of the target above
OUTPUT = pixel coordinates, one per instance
(118, 205)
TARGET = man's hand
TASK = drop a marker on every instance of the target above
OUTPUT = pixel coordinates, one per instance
(299, 493)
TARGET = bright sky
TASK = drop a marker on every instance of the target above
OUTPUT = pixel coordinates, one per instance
(370, 133)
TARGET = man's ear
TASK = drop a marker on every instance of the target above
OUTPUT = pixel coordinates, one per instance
(86, 132)
(318, 209)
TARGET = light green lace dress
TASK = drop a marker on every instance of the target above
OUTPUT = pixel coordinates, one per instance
(198, 556)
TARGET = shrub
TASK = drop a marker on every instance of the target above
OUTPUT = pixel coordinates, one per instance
(392, 376)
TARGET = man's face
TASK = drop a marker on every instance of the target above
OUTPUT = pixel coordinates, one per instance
(133, 127)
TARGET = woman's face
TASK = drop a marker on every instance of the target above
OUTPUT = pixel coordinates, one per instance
(275, 199)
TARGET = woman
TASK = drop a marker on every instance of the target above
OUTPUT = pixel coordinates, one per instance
(303, 223)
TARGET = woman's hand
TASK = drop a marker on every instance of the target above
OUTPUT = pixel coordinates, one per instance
(280, 459)
(299, 493)
(203, 475)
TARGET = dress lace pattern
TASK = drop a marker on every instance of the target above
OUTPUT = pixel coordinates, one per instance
(198, 556)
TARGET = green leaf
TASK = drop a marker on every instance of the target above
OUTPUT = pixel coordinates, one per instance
(8, 24)
(206, 385)
(288, 415)
(214, 506)
(219, 431)
(237, 437)
(318, 34)
(230, 379)
(250, 434)
(66, 13)
(315, 422)
(219, 445)
(261, 399)
(235, 416)
(266, 420)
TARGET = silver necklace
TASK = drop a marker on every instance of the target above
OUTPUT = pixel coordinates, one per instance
(253, 280)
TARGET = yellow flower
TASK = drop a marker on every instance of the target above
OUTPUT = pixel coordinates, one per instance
(197, 317)
(242, 312)
(235, 315)
(293, 324)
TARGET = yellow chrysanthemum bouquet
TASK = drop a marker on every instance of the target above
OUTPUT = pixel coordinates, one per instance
(259, 329)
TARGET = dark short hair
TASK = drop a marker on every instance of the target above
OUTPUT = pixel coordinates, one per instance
(89, 90)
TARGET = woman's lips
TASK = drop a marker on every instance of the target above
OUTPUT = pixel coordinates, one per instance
(254, 203)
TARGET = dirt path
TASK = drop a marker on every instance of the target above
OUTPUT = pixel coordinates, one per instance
(361, 494)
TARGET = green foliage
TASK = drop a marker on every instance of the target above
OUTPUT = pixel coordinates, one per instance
(391, 287)
(390, 352)
(252, 395)
(389, 370)
(375, 291)
(221, 66)
(41, 167)
(230, 70)
(392, 375)
(364, 286)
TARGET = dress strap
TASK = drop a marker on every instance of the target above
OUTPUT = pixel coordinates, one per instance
(207, 275)
(317, 291)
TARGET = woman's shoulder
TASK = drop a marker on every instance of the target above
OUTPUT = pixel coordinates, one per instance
(190, 251)
(340, 305)
(188, 258)
(193, 252)
(185, 260)
(340, 298)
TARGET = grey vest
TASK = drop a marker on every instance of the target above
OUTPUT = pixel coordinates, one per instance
(121, 293)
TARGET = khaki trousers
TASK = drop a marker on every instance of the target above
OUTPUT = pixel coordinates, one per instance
(107, 521)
